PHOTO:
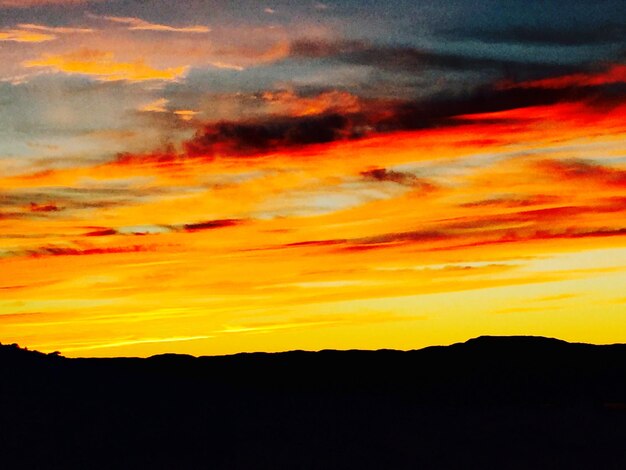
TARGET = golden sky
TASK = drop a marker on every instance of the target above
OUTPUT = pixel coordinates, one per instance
(297, 177)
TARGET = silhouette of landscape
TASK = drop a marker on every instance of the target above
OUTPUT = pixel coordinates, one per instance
(491, 402)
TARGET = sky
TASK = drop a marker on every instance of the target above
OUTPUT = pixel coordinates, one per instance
(220, 177)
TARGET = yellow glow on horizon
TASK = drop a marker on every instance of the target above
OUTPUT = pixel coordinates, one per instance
(320, 248)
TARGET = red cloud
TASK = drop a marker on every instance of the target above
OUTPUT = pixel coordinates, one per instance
(583, 171)
(64, 251)
(43, 207)
(613, 74)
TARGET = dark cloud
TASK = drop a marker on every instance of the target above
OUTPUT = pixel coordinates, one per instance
(274, 132)
(315, 49)
(70, 251)
(581, 35)
(399, 177)
(212, 224)
(270, 134)
(412, 59)
(105, 232)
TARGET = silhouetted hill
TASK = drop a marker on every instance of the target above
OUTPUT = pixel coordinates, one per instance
(491, 402)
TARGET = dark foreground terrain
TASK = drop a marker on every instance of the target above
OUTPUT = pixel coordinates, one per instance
(492, 402)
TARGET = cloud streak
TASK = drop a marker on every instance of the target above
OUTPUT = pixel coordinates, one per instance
(613, 74)
(25, 35)
(103, 65)
(38, 3)
(137, 24)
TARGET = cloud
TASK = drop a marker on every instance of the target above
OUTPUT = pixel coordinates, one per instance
(315, 243)
(105, 232)
(415, 236)
(55, 29)
(498, 223)
(231, 48)
(287, 102)
(442, 241)
(37, 3)
(157, 106)
(512, 202)
(581, 171)
(24, 35)
(54, 199)
(399, 177)
(103, 66)
(409, 58)
(69, 251)
(290, 121)
(211, 225)
(44, 207)
(241, 138)
(186, 114)
(161, 106)
(319, 48)
(615, 73)
(137, 24)
(581, 35)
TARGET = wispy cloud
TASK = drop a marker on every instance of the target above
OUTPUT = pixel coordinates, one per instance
(398, 177)
(615, 73)
(36, 3)
(36, 33)
(157, 106)
(55, 29)
(130, 342)
(25, 35)
(288, 182)
(137, 24)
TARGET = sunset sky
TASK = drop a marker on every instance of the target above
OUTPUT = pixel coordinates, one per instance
(212, 177)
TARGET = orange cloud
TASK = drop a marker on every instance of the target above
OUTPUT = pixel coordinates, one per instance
(22, 35)
(486, 209)
(65, 251)
(103, 66)
(27, 32)
(53, 29)
(185, 114)
(156, 106)
(289, 103)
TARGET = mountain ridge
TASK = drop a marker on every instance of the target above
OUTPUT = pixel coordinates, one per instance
(480, 341)
(489, 402)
